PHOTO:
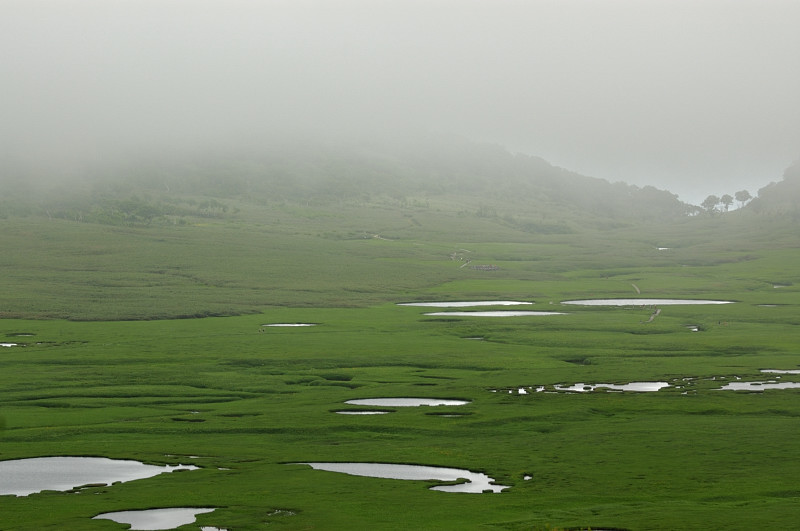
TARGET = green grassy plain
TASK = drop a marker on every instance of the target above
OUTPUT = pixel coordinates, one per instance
(110, 362)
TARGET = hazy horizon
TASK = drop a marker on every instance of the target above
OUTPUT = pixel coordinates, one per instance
(697, 97)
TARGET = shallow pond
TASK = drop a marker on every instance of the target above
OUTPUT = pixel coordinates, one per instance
(22, 477)
(759, 386)
(463, 304)
(154, 518)
(499, 313)
(476, 482)
(405, 402)
(781, 371)
(641, 302)
(8, 344)
(641, 387)
(362, 412)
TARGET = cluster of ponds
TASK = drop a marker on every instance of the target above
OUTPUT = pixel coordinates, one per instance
(581, 302)
(650, 387)
(23, 477)
(524, 313)
(643, 302)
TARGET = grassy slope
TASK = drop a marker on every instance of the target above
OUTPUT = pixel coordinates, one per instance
(247, 401)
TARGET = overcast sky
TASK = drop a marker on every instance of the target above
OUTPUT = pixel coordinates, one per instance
(695, 96)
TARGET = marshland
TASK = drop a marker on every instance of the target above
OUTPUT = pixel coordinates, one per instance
(304, 271)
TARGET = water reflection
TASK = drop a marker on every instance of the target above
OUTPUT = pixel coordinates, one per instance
(463, 304)
(345, 412)
(641, 302)
(641, 387)
(154, 518)
(476, 482)
(405, 402)
(289, 324)
(498, 313)
(22, 477)
(759, 386)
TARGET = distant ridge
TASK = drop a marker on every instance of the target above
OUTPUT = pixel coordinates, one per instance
(483, 178)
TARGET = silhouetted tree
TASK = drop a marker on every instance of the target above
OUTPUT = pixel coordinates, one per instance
(710, 203)
(743, 196)
(727, 201)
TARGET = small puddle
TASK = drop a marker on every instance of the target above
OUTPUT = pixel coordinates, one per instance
(781, 371)
(154, 518)
(499, 313)
(8, 345)
(641, 302)
(22, 477)
(406, 402)
(463, 304)
(476, 482)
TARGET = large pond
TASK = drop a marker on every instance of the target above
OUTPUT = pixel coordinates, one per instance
(155, 518)
(641, 302)
(463, 304)
(22, 477)
(405, 402)
(499, 313)
(476, 482)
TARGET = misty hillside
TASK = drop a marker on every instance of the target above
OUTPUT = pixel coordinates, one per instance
(780, 198)
(448, 172)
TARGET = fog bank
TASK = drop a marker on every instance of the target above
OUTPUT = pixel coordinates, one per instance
(696, 96)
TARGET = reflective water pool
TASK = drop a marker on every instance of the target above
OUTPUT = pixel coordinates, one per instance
(405, 402)
(154, 518)
(362, 412)
(463, 304)
(476, 482)
(22, 477)
(641, 387)
(289, 324)
(498, 313)
(759, 386)
(641, 302)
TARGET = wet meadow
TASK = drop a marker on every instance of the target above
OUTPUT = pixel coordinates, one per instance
(150, 342)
